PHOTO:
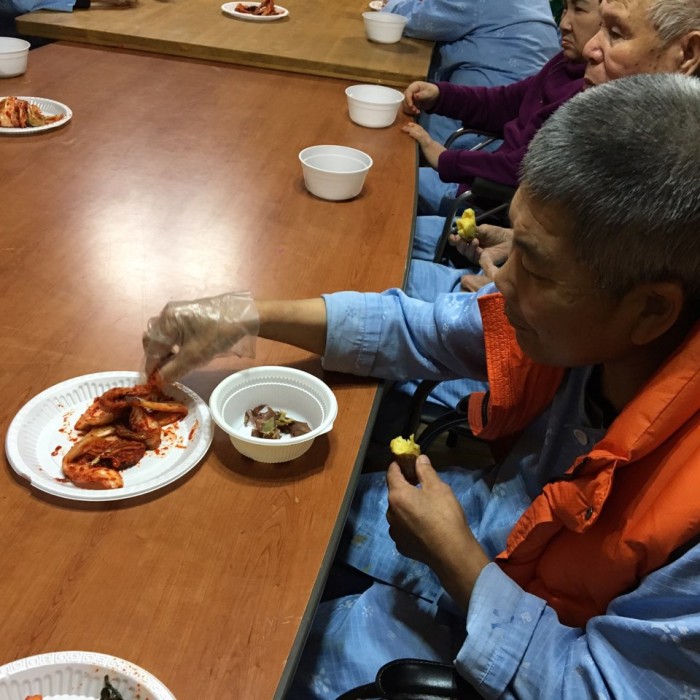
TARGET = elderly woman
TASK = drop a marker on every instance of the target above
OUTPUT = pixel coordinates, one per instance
(479, 43)
(636, 36)
(569, 569)
(515, 111)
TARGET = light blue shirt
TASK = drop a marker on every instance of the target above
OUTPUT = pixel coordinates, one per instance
(20, 7)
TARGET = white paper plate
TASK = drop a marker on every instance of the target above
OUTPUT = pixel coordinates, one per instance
(230, 9)
(376, 5)
(40, 433)
(48, 107)
(77, 675)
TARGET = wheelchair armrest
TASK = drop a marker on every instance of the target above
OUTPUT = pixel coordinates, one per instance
(490, 191)
(415, 679)
(489, 137)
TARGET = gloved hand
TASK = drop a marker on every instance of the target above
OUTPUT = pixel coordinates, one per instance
(187, 334)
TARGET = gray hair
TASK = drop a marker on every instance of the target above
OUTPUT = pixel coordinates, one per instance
(673, 19)
(620, 161)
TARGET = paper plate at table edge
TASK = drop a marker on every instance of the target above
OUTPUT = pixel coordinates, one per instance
(106, 664)
(50, 485)
(229, 9)
(29, 130)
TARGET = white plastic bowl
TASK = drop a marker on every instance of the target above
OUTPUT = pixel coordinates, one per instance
(13, 56)
(300, 394)
(334, 172)
(383, 27)
(375, 106)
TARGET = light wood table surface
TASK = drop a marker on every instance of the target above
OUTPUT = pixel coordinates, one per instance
(318, 38)
(176, 180)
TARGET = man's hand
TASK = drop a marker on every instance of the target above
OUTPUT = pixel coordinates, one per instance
(419, 96)
(431, 149)
(490, 249)
(427, 523)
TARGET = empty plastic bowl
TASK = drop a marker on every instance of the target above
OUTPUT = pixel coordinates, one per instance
(301, 395)
(375, 106)
(334, 172)
(383, 27)
(13, 56)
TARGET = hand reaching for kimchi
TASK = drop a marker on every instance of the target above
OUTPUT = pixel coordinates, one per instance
(118, 428)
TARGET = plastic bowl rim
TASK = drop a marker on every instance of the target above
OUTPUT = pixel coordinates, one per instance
(325, 427)
(396, 100)
(362, 169)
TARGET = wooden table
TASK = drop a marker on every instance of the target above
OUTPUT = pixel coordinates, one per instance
(174, 180)
(318, 38)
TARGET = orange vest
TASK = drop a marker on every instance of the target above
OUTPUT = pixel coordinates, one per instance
(622, 509)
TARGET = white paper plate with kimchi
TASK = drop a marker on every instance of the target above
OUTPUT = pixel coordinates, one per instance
(229, 8)
(49, 108)
(77, 675)
(42, 432)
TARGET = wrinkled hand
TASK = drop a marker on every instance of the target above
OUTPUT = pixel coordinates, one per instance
(431, 149)
(489, 249)
(419, 96)
(187, 334)
(427, 523)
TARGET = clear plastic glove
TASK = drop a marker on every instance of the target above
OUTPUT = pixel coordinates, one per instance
(188, 334)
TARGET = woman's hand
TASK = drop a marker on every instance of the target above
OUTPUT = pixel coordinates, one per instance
(419, 96)
(427, 523)
(431, 149)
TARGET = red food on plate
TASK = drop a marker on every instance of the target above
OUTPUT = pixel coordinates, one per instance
(266, 8)
(119, 426)
(16, 113)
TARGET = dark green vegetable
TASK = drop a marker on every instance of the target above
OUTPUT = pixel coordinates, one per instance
(109, 692)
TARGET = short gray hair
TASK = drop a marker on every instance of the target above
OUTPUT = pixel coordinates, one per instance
(673, 19)
(620, 161)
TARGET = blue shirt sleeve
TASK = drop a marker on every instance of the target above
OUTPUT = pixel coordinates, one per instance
(435, 20)
(20, 7)
(647, 645)
(392, 336)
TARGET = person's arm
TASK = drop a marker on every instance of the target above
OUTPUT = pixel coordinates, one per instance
(437, 20)
(462, 165)
(393, 336)
(296, 322)
(386, 335)
(647, 645)
(484, 108)
(20, 7)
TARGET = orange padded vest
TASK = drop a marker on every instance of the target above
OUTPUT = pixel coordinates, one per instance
(622, 509)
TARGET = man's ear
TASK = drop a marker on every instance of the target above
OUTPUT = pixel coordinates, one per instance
(690, 45)
(659, 306)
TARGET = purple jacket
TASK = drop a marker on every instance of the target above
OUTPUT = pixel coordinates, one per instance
(516, 111)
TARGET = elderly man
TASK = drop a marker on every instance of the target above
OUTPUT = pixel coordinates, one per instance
(569, 569)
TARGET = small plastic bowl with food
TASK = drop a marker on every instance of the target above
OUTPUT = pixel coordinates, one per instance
(375, 106)
(13, 56)
(273, 414)
(383, 27)
(335, 173)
